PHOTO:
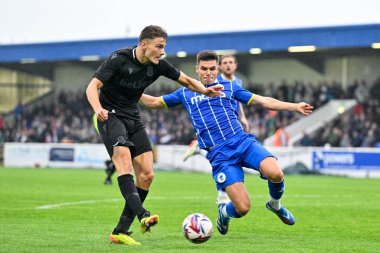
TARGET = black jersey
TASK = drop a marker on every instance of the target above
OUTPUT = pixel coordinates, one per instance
(124, 80)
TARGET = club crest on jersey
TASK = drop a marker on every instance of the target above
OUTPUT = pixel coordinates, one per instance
(221, 178)
(149, 72)
(199, 98)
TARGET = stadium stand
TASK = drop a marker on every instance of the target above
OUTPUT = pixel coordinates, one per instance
(69, 118)
(58, 73)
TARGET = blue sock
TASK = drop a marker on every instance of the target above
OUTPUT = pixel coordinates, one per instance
(276, 189)
(231, 211)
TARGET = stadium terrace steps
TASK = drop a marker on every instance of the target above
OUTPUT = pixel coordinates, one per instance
(319, 118)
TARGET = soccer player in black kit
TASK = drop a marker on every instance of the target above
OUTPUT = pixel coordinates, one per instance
(122, 79)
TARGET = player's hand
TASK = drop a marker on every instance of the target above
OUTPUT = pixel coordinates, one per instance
(214, 91)
(304, 108)
(102, 115)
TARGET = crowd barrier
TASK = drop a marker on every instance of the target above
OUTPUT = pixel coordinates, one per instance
(353, 162)
(54, 155)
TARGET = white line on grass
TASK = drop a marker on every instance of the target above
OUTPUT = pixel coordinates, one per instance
(52, 206)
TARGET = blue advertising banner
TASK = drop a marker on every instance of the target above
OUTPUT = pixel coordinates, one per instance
(346, 160)
(61, 154)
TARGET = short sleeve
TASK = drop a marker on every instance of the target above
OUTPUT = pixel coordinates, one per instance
(168, 70)
(173, 99)
(109, 67)
(242, 95)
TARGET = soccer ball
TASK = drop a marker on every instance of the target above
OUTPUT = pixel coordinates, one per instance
(197, 228)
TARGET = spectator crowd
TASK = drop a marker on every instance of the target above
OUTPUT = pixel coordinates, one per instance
(69, 118)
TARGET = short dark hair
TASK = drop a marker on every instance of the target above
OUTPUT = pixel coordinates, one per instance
(152, 32)
(227, 56)
(207, 55)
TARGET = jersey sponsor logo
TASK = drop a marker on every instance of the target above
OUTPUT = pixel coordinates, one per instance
(113, 56)
(199, 98)
(130, 70)
(221, 178)
(136, 84)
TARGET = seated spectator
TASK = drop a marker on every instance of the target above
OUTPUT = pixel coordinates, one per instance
(70, 117)
(306, 141)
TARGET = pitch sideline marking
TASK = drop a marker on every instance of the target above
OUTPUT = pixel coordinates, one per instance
(52, 206)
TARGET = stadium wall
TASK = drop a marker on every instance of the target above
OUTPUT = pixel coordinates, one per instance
(353, 162)
(350, 68)
(342, 69)
(276, 70)
(72, 76)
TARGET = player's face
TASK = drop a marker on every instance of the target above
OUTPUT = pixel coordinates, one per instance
(207, 71)
(228, 66)
(153, 50)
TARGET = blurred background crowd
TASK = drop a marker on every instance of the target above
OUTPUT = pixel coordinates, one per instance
(69, 118)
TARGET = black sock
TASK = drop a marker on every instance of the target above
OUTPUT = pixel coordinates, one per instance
(128, 189)
(125, 221)
(127, 217)
(142, 194)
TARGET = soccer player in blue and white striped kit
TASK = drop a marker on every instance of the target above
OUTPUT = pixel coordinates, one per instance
(229, 147)
(227, 67)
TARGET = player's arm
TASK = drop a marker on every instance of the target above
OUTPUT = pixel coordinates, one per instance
(198, 87)
(151, 102)
(277, 105)
(243, 119)
(92, 93)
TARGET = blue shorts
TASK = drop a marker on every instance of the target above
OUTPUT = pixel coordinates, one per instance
(229, 158)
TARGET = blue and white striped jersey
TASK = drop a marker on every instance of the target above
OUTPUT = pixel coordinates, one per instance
(214, 119)
(236, 80)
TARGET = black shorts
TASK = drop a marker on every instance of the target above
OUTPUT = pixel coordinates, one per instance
(118, 131)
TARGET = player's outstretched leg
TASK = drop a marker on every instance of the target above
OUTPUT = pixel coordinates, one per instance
(127, 216)
(121, 238)
(282, 213)
(222, 222)
(148, 221)
(192, 150)
(133, 202)
(222, 198)
(276, 191)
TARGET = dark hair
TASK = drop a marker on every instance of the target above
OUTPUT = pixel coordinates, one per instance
(153, 31)
(207, 55)
(227, 56)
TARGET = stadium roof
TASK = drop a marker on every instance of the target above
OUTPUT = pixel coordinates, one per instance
(339, 37)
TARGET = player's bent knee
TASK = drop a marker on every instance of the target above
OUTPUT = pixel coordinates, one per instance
(149, 177)
(146, 177)
(243, 209)
(276, 177)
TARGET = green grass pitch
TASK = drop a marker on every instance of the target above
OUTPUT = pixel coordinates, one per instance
(68, 210)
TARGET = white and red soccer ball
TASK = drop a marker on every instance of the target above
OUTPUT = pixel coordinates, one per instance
(197, 228)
